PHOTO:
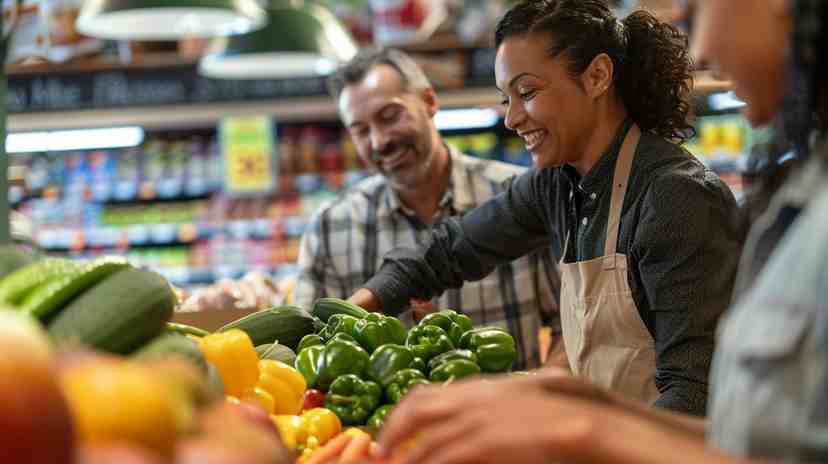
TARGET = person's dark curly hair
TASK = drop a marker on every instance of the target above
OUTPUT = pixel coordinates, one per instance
(653, 69)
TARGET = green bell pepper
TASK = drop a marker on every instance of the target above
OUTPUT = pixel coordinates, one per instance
(452, 322)
(344, 336)
(402, 382)
(339, 323)
(451, 356)
(375, 330)
(388, 359)
(353, 399)
(309, 340)
(428, 341)
(340, 357)
(418, 364)
(495, 349)
(453, 370)
(306, 361)
(377, 420)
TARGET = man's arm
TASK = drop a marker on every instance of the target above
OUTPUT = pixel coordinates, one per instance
(508, 226)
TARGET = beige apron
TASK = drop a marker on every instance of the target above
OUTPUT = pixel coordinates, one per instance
(606, 341)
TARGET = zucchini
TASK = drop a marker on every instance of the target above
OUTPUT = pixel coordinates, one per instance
(276, 352)
(184, 329)
(52, 295)
(174, 344)
(324, 308)
(20, 283)
(119, 314)
(287, 324)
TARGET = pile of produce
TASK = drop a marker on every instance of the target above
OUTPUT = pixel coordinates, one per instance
(113, 380)
(365, 363)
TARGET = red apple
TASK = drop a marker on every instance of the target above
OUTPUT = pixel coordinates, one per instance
(35, 422)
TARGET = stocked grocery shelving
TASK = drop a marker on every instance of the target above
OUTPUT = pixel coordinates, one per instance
(162, 203)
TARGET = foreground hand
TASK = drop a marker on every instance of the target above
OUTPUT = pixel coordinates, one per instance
(489, 421)
(561, 381)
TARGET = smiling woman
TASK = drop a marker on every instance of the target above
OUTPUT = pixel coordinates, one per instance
(573, 63)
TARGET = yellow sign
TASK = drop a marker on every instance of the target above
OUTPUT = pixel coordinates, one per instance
(248, 148)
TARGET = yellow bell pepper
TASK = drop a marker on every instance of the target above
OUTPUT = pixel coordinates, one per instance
(293, 429)
(260, 397)
(310, 430)
(284, 384)
(323, 424)
(234, 356)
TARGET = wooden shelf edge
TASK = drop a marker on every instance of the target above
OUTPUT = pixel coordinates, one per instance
(312, 109)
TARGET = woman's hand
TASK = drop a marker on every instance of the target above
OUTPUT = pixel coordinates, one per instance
(490, 421)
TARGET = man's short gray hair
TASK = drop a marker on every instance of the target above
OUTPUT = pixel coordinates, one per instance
(355, 70)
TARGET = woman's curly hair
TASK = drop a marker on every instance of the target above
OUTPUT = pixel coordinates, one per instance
(653, 69)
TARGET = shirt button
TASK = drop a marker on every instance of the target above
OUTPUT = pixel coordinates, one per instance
(593, 195)
(584, 221)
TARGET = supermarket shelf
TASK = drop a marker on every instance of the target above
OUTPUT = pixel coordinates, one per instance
(311, 109)
(151, 235)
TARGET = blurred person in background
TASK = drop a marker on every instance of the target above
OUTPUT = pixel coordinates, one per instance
(387, 104)
(769, 385)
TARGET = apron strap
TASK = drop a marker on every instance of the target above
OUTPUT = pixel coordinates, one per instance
(619, 190)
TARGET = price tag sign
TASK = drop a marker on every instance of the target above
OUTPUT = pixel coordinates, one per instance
(248, 149)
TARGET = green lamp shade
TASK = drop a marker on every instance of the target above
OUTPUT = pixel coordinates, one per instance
(300, 40)
(168, 19)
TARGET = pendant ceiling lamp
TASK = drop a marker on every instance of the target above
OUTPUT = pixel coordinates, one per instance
(168, 19)
(301, 39)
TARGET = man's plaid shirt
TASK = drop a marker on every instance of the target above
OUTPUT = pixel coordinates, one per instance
(345, 242)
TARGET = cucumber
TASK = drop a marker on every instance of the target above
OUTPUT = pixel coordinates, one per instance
(323, 308)
(287, 324)
(52, 295)
(119, 314)
(13, 258)
(20, 283)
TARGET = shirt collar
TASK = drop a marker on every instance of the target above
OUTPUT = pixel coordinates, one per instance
(600, 176)
(458, 199)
